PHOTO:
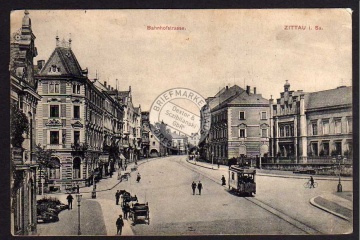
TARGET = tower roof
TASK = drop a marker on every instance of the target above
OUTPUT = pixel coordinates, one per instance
(62, 62)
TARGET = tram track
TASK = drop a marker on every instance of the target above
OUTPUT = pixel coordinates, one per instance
(296, 223)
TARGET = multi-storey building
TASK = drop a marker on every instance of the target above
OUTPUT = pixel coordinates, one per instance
(74, 118)
(23, 99)
(131, 140)
(239, 125)
(145, 134)
(312, 127)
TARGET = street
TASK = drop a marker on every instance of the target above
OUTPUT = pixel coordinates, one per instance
(281, 205)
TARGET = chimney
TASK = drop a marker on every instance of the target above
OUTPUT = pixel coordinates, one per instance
(227, 87)
(105, 83)
(248, 89)
(40, 64)
(254, 90)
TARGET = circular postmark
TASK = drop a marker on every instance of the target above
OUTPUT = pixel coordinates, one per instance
(180, 119)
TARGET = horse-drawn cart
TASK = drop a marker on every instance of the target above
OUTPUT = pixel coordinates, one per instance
(140, 211)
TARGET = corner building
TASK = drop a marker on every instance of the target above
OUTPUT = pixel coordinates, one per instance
(240, 124)
(69, 119)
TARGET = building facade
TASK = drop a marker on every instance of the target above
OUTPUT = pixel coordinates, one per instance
(312, 127)
(23, 99)
(240, 124)
(78, 119)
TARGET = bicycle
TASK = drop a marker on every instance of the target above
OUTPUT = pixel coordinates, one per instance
(308, 184)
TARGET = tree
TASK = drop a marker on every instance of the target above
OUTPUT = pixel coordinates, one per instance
(19, 126)
(44, 158)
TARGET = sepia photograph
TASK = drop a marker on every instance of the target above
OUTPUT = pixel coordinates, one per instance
(182, 122)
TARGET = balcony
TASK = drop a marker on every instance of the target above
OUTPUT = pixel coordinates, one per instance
(79, 147)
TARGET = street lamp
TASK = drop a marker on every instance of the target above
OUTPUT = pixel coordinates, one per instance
(339, 186)
(78, 198)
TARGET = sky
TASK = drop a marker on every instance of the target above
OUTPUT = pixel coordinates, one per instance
(215, 48)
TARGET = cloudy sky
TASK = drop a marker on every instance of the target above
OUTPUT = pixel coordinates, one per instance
(215, 49)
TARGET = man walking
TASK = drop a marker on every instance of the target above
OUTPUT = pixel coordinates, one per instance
(117, 197)
(119, 225)
(223, 180)
(69, 199)
(199, 186)
(193, 186)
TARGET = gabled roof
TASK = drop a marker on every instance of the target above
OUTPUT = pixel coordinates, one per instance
(235, 95)
(223, 95)
(329, 98)
(64, 59)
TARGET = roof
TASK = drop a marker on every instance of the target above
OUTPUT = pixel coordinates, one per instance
(329, 98)
(64, 59)
(235, 95)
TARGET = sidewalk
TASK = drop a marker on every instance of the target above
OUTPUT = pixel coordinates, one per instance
(270, 173)
(339, 204)
(98, 217)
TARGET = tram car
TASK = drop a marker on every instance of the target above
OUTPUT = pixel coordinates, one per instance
(242, 180)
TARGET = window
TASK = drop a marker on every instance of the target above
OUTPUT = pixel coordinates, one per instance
(264, 133)
(314, 148)
(287, 130)
(54, 111)
(242, 133)
(337, 126)
(338, 148)
(54, 88)
(76, 168)
(263, 115)
(326, 148)
(76, 89)
(349, 125)
(54, 170)
(281, 131)
(77, 112)
(77, 137)
(54, 137)
(153, 143)
(241, 115)
(314, 128)
(325, 127)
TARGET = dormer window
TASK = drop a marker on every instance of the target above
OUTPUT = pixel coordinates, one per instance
(54, 69)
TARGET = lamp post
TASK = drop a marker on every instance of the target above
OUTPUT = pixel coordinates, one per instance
(339, 186)
(78, 198)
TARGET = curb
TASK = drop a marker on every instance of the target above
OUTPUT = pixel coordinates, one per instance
(312, 202)
(201, 165)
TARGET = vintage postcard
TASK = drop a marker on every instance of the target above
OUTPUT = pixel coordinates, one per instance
(181, 122)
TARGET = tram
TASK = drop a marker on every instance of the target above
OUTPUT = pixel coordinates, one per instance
(242, 180)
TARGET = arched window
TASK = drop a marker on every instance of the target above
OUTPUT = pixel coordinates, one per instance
(76, 168)
(54, 168)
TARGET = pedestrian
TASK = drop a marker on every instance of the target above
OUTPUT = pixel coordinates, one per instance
(218, 163)
(125, 166)
(69, 199)
(126, 210)
(223, 181)
(138, 177)
(78, 188)
(199, 186)
(117, 197)
(193, 186)
(119, 225)
(311, 182)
